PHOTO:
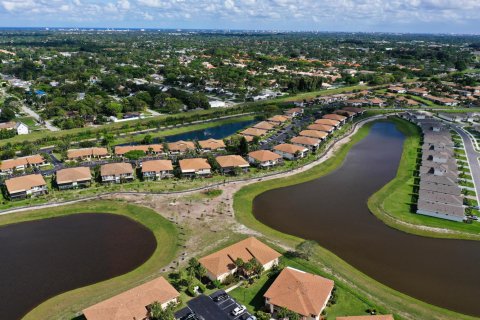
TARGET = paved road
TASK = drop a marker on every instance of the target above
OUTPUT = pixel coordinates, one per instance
(37, 117)
(472, 157)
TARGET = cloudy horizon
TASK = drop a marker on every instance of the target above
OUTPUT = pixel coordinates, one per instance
(407, 16)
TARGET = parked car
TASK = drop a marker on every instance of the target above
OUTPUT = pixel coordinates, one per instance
(252, 318)
(238, 310)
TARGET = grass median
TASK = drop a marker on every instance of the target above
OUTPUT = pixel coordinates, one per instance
(68, 305)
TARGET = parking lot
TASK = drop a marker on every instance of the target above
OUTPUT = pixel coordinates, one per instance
(217, 306)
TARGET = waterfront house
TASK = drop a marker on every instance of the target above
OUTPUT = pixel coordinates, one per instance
(72, 178)
(87, 154)
(157, 169)
(181, 146)
(195, 167)
(311, 143)
(336, 117)
(229, 163)
(134, 304)
(328, 122)
(321, 127)
(24, 186)
(264, 158)
(290, 151)
(150, 149)
(254, 132)
(301, 292)
(342, 112)
(294, 112)
(264, 125)
(314, 134)
(116, 172)
(441, 210)
(211, 145)
(278, 120)
(374, 317)
(222, 263)
(22, 163)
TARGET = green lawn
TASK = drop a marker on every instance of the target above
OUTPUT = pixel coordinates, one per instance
(360, 285)
(29, 121)
(69, 304)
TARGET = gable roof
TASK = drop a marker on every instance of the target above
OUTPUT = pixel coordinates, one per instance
(114, 169)
(264, 155)
(333, 116)
(222, 261)
(299, 291)
(73, 175)
(321, 127)
(157, 166)
(254, 132)
(303, 140)
(264, 125)
(131, 304)
(328, 122)
(314, 134)
(231, 161)
(278, 118)
(24, 183)
(121, 150)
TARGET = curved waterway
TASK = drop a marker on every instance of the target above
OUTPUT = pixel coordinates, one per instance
(333, 211)
(41, 259)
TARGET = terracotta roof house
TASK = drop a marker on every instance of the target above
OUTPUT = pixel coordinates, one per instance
(180, 146)
(290, 151)
(294, 112)
(375, 317)
(71, 178)
(254, 132)
(147, 148)
(116, 172)
(87, 153)
(357, 111)
(264, 125)
(248, 138)
(133, 304)
(222, 263)
(311, 143)
(229, 163)
(277, 120)
(418, 92)
(211, 145)
(195, 167)
(321, 127)
(157, 169)
(301, 292)
(7, 166)
(314, 134)
(336, 117)
(376, 102)
(264, 158)
(29, 185)
(328, 122)
(397, 89)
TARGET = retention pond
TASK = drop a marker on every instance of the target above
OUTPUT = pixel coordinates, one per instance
(41, 259)
(333, 211)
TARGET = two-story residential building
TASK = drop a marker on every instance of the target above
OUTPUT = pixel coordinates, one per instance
(222, 263)
(22, 163)
(290, 151)
(116, 172)
(303, 293)
(71, 178)
(180, 147)
(321, 127)
(311, 143)
(211, 145)
(24, 186)
(229, 163)
(195, 167)
(87, 154)
(134, 304)
(264, 158)
(157, 169)
(149, 149)
(19, 127)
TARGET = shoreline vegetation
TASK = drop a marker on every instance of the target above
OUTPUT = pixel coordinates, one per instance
(67, 305)
(403, 306)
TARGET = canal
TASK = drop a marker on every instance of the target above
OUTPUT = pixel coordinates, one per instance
(333, 211)
(41, 259)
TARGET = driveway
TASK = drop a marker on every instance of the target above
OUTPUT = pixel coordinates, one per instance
(37, 117)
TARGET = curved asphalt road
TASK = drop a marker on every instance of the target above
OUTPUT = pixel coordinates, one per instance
(472, 157)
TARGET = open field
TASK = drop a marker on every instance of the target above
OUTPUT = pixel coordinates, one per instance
(385, 298)
(66, 305)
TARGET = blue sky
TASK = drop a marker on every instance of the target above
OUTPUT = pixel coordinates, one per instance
(416, 16)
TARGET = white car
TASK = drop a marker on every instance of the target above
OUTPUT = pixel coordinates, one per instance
(238, 310)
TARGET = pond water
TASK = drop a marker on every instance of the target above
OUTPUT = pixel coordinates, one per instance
(41, 259)
(333, 211)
